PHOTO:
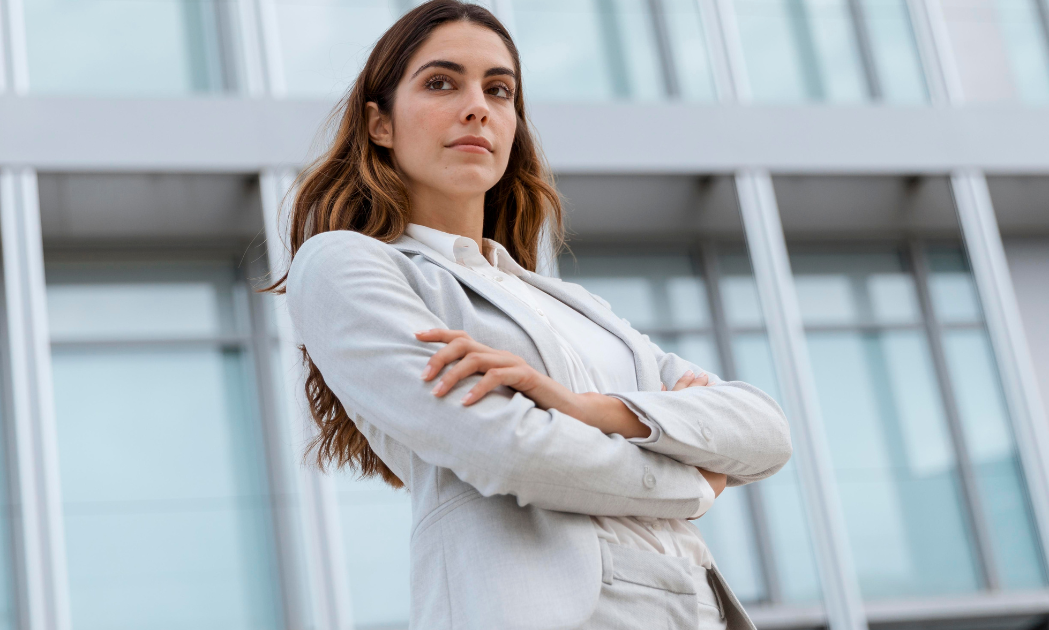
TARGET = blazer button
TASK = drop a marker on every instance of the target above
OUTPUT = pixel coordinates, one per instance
(707, 434)
(649, 480)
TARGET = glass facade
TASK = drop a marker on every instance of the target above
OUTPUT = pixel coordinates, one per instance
(1002, 47)
(121, 47)
(839, 51)
(164, 486)
(174, 496)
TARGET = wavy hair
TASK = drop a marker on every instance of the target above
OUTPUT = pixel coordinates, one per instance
(354, 186)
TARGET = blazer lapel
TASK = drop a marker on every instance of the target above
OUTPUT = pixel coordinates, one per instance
(647, 372)
(553, 359)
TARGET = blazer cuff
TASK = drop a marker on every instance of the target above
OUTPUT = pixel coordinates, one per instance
(706, 501)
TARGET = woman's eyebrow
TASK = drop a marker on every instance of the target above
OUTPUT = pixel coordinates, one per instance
(441, 63)
(500, 71)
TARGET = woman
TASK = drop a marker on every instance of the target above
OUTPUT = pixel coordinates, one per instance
(550, 474)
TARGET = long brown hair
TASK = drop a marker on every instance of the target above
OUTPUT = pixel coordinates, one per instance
(354, 186)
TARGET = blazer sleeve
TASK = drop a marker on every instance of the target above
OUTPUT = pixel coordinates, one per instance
(728, 427)
(356, 312)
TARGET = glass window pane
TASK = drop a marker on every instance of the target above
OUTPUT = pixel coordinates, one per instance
(1027, 47)
(324, 43)
(951, 288)
(899, 484)
(991, 446)
(689, 46)
(165, 496)
(376, 527)
(587, 49)
(895, 51)
(836, 289)
(799, 50)
(789, 533)
(167, 516)
(160, 47)
(739, 291)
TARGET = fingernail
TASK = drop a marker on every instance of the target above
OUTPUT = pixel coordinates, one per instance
(426, 372)
(467, 398)
(419, 332)
(689, 373)
(437, 389)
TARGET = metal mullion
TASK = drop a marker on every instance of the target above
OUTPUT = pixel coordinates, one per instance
(1041, 7)
(984, 552)
(726, 51)
(228, 341)
(990, 269)
(933, 37)
(762, 534)
(14, 76)
(43, 578)
(282, 497)
(317, 518)
(863, 41)
(786, 334)
(658, 18)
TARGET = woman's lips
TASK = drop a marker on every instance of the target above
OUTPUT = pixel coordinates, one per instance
(472, 144)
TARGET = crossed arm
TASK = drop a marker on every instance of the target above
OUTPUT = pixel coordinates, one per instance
(354, 309)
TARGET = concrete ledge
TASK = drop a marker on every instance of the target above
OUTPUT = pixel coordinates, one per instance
(245, 135)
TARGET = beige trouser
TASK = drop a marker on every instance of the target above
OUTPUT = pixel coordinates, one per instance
(643, 590)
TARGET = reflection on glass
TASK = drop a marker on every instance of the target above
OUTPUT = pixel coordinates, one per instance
(376, 526)
(886, 424)
(895, 51)
(167, 517)
(161, 47)
(995, 461)
(951, 288)
(1027, 46)
(798, 50)
(894, 463)
(780, 495)
(324, 43)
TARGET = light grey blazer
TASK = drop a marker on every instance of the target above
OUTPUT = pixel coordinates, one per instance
(501, 490)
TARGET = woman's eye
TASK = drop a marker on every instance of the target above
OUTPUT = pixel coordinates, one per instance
(500, 90)
(439, 84)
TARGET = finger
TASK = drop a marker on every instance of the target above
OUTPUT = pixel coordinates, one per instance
(440, 334)
(663, 386)
(700, 381)
(469, 364)
(683, 382)
(492, 378)
(456, 348)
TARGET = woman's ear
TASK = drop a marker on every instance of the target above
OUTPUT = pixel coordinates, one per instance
(380, 127)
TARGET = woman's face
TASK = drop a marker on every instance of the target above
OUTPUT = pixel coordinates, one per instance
(453, 118)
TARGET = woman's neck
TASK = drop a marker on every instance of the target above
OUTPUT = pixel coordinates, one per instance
(464, 217)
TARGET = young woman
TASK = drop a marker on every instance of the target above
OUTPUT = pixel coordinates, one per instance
(553, 453)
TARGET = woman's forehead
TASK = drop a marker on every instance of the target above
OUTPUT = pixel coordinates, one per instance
(474, 47)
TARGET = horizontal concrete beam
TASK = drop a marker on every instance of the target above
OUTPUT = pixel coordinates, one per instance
(243, 135)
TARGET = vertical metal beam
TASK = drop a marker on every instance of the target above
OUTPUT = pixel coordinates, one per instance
(927, 51)
(317, 515)
(934, 40)
(966, 473)
(779, 303)
(42, 573)
(726, 51)
(16, 74)
(272, 58)
(1041, 8)
(861, 29)
(983, 243)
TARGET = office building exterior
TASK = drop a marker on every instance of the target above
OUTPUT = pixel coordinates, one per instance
(845, 202)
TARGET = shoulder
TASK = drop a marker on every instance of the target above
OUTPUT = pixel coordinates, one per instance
(340, 258)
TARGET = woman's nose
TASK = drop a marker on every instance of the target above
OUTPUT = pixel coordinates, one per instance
(476, 107)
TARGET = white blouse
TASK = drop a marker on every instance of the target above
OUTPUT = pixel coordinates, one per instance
(598, 361)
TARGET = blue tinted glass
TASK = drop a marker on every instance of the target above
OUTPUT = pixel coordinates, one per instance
(895, 51)
(995, 461)
(894, 463)
(729, 532)
(689, 46)
(799, 50)
(1024, 35)
(587, 49)
(376, 525)
(160, 47)
(167, 514)
(324, 43)
(780, 495)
